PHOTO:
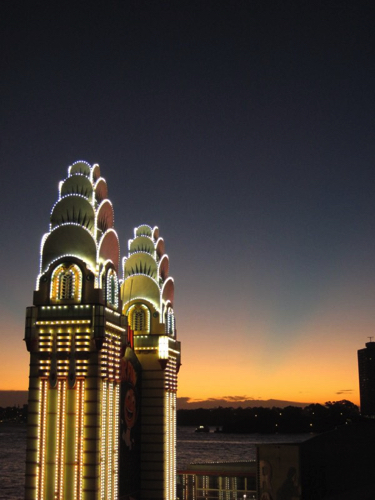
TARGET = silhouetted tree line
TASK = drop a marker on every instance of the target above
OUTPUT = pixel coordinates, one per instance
(292, 419)
(16, 414)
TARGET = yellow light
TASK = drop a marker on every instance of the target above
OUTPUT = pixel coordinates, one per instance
(163, 347)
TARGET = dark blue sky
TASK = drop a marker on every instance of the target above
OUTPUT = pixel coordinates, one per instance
(243, 129)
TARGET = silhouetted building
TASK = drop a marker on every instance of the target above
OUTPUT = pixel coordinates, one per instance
(366, 369)
(334, 465)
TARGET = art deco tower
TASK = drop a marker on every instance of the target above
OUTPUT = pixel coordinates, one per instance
(75, 332)
(147, 294)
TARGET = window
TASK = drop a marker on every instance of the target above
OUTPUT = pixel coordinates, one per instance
(112, 288)
(169, 322)
(139, 318)
(66, 283)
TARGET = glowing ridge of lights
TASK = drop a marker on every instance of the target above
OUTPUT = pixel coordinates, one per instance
(67, 256)
(101, 204)
(166, 282)
(157, 242)
(139, 298)
(75, 163)
(134, 252)
(42, 242)
(94, 167)
(72, 224)
(142, 274)
(100, 179)
(69, 195)
(111, 311)
(70, 176)
(97, 214)
(163, 258)
(115, 327)
(132, 240)
(142, 225)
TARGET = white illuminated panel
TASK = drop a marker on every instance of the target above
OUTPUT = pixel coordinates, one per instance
(163, 347)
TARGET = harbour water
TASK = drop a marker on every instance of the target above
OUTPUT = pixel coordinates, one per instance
(191, 447)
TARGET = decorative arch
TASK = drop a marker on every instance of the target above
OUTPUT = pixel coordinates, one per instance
(68, 239)
(80, 167)
(167, 292)
(160, 247)
(143, 230)
(141, 244)
(164, 267)
(74, 208)
(95, 172)
(109, 248)
(76, 184)
(104, 216)
(101, 189)
(66, 283)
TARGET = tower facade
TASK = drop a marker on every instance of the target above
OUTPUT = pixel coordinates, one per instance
(103, 372)
(147, 293)
(75, 332)
(366, 369)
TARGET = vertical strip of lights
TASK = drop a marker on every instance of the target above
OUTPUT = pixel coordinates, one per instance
(39, 441)
(110, 444)
(78, 454)
(174, 445)
(116, 440)
(76, 440)
(43, 436)
(58, 442)
(81, 429)
(60, 438)
(167, 444)
(103, 441)
(41, 448)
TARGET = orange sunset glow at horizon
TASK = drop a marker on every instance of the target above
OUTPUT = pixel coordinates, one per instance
(316, 368)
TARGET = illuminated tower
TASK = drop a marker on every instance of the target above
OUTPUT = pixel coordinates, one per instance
(366, 368)
(147, 295)
(75, 332)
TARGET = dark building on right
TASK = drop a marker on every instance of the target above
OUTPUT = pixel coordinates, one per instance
(366, 369)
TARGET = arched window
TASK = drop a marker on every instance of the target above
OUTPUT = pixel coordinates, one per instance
(112, 288)
(66, 283)
(139, 318)
(169, 322)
